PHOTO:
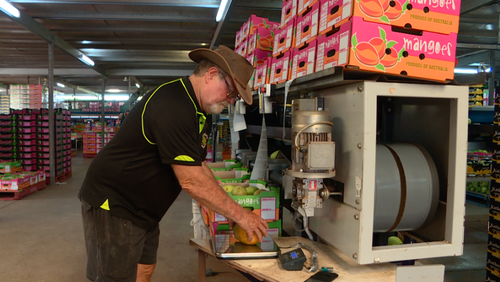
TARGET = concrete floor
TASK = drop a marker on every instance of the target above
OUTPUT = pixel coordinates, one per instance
(42, 240)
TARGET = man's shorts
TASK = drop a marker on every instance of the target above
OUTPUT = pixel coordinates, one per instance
(115, 245)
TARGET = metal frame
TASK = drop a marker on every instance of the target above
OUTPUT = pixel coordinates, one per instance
(349, 226)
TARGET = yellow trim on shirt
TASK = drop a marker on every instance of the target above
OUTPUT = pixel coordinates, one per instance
(105, 205)
(184, 158)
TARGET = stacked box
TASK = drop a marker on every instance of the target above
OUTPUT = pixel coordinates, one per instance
(437, 17)
(262, 38)
(376, 47)
(284, 38)
(303, 60)
(279, 68)
(4, 104)
(288, 12)
(493, 256)
(262, 74)
(9, 137)
(27, 142)
(92, 142)
(304, 6)
(307, 26)
(26, 96)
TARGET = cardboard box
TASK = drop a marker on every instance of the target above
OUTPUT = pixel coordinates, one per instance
(223, 235)
(284, 38)
(265, 205)
(262, 74)
(236, 173)
(439, 17)
(255, 22)
(237, 39)
(307, 26)
(258, 57)
(288, 12)
(279, 68)
(226, 163)
(242, 48)
(375, 47)
(304, 5)
(303, 60)
(262, 39)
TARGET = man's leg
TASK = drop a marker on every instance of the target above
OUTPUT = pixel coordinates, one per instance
(144, 272)
(114, 246)
(147, 263)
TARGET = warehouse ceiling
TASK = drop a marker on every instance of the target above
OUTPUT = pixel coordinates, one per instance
(146, 42)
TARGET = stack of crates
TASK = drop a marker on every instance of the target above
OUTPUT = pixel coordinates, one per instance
(493, 256)
(92, 142)
(4, 104)
(27, 138)
(42, 139)
(26, 96)
(9, 137)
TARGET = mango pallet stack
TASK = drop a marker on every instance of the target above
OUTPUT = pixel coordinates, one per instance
(92, 142)
(252, 195)
(493, 257)
(16, 184)
(415, 39)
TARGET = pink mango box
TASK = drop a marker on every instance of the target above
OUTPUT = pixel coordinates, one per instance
(307, 26)
(258, 57)
(254, 22)
(303, 60)
(262, 74)
(279, 68)
(242, 49)
(11, 185)
(375, 47)
(435, 16)
(237, 39)
(41, 175)
(304, 5)
(244, 31)
(288, 12)
(284, 38)
(262, 39)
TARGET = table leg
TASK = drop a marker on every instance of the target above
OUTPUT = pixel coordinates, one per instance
(201, 266)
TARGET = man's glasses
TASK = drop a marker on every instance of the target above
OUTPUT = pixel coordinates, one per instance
(231, 94)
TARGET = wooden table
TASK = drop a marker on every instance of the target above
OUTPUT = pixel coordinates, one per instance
(328, 256)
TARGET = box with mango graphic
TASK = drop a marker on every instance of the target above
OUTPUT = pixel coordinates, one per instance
(224, 237)
(253, 196)
(435, 16)
(376, 47)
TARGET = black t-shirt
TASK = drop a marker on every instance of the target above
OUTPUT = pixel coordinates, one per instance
(133, 171)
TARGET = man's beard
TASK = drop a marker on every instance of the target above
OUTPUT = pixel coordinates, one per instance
(218, 108)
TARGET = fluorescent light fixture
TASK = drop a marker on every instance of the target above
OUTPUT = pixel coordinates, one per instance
(9, 9)
(139, 98)
(113, 90)
(489, 27)
(60, 85)
(466, 71)
(488, 70)
(86, 42)
(116, 97)
(84, 59)
(222, 10)
(137, 85)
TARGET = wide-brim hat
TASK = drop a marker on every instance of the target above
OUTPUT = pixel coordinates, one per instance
(235, 65)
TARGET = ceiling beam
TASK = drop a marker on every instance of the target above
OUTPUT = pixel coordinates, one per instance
(485, 19)
(125, 17)
(478, 46)
(468, 6)
(149, 72)
(170, 3)
(43, 71)
(475, 57)
(38, 29)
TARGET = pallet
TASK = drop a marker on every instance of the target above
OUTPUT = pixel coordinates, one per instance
(89, 155)
(6, 195)
(61, 178)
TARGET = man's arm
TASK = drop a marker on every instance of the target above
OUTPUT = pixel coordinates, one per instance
(201, 185)
(207, 170)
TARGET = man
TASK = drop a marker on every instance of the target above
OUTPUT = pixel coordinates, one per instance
(159, 150)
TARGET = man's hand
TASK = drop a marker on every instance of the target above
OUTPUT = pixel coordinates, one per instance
(252, 223)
